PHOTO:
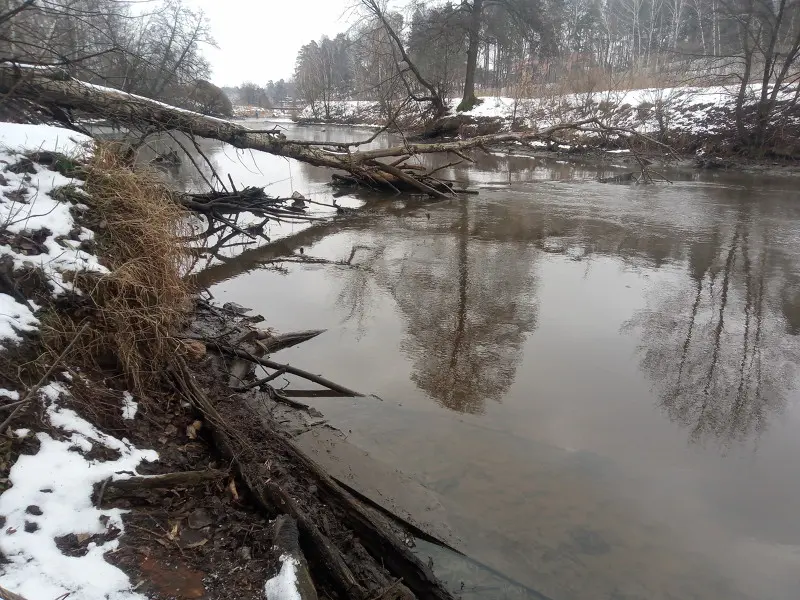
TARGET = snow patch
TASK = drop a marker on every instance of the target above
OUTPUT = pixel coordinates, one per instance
(129, 407)
(50, 497)
(17, 137)
(284, 585)
(14, 318)
(9, 394)
(27, 205)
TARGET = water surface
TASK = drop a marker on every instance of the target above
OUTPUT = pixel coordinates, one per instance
(598, 380)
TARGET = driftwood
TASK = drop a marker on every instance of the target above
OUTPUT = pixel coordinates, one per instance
(56, 93)
(417, 579)
(286, 543)
(264, 362)
(273, 343)
(166, 481)
(9, 595)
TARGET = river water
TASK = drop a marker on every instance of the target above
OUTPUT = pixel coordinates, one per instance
(597, 380)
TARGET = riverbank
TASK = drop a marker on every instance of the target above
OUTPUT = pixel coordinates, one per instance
(132, 463)
(697, 122)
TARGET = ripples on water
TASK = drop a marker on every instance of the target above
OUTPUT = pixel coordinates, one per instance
(598, 380)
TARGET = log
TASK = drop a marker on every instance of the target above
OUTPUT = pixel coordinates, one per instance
(57, 93)
(231, 445)
(166, 481)
(286, 543)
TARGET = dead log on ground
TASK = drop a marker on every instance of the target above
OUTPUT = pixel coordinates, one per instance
(166, 481)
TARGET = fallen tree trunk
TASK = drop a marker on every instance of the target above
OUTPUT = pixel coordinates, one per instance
(56, 93)
(167, 480)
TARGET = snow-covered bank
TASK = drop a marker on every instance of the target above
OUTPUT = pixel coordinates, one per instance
(50, 493)
(51, 498)
(690, 110)
(37, 230)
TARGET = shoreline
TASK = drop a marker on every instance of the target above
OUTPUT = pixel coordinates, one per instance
(182, 492)
(788, 167)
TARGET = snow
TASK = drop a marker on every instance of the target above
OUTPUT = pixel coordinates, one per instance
(686, 108)
(27, 205)
(14, 317)
(284, 585)
(24, 136)
(9, 394)
(129, 407)
(58, 481)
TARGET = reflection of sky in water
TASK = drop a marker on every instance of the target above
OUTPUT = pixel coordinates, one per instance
(545, 352)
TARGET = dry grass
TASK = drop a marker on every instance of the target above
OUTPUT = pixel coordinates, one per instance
(134, 310)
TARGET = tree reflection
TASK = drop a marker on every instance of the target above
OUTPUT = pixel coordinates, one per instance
(467, 291)
(715, 344)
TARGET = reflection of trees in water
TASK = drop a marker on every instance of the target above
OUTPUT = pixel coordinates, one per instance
(715, 345)
(357, 294)
(197, 159)
(468, 298)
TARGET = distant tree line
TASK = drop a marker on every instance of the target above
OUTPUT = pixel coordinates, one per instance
(151, 48)
(274, 93)
(493, 46)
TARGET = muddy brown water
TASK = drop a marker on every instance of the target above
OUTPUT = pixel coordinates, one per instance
(597, 380)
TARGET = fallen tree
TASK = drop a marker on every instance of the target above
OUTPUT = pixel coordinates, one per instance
(55, 94)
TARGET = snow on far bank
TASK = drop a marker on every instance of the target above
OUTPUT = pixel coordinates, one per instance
(284, 585)
(51, 497)
(682, 108)
(27, 205)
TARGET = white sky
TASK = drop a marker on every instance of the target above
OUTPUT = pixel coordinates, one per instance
(258, 39)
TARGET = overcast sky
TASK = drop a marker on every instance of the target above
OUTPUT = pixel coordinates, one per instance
(258, 39)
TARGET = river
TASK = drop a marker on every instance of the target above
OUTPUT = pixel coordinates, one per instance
(598, 381)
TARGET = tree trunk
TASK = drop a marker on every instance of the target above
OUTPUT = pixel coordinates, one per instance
(469, 99)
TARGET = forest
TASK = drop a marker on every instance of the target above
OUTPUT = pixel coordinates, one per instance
(458, 52)
(152, 49)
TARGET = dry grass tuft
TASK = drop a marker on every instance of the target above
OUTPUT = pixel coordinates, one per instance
(136, 309)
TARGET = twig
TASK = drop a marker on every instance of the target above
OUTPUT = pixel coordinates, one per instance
(35, 389)
(259, 382)
(102, 491)
(243, 354)
(278, 397)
